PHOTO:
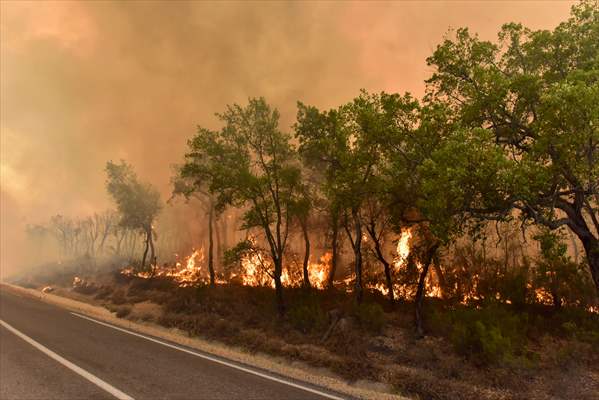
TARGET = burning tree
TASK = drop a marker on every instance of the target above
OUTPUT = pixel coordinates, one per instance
(250, 163)
(138, 203)
(186, 183)
(322, 137)
(532, 103)
(344, 145)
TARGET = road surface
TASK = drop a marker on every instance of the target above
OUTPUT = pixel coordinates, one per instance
(50, 353)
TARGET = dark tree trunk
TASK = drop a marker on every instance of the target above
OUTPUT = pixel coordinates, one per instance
(225, 232)
(389, 281)
(219, 247)
(358, 256)
(591, 248)
(152, 251)
(335, 250)
(211, 245)
(143, 260)
(557, 300)
(420, 293)
(579, 226)
(381, 257)
(279, 285)
(304, 224)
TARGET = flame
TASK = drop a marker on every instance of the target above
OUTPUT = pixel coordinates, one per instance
(256, 270)
(403, 248)
(542, 296)
(318, 273)
(190, 274)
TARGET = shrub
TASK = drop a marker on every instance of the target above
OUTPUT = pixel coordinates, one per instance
(489, 335)
(118, 297)
(487, 341)
(123, 311)
(103, 292)
(370, 316)
(308, 317)
(179, 304)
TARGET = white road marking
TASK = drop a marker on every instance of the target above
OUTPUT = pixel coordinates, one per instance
(214, 359)
(92, 378)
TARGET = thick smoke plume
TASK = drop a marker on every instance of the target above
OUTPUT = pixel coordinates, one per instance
(87, 82)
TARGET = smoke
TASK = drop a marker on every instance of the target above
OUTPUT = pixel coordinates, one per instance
(87, 82)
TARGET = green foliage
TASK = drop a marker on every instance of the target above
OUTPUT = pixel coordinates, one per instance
(528, 111)
(307, 315)
(247, 249)
(490, 335)
(234, 254)
(558, 276)
(138, 203)
(369, 316)
(251, 164)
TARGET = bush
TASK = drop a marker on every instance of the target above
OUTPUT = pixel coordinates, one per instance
(486, 341)
(489, 335)
(308, 317)
(103, 292)
(123, 311)
(118, 297)
(370, 316)
(180, 304)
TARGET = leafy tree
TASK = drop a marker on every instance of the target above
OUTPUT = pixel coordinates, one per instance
(185, 183)
(138, 203)
(322, 140)
(344, 142)
(250, 163)
(301, 208)
(530, 106)
(419, 196)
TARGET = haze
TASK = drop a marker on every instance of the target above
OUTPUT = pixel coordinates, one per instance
(87, 82)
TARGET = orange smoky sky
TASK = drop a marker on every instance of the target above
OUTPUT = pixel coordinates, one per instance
(87, 82)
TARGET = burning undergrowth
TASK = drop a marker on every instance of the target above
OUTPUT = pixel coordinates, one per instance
(248, 264)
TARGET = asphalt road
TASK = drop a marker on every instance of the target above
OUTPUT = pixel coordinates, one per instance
(111, 361)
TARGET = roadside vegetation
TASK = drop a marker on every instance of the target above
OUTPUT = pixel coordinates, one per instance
(447, 247)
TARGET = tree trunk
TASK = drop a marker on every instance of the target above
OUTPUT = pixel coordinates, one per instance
(211, 245)
(590, 243)
(143, 260)
(358, 255)
(219, 248)
(389, 281)
(304, 224)
(152, 252)
(386, 265)
(420, 293)
(591, 248)
(335, 251)
(557, 300)
(279, 285)
(225, 231)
